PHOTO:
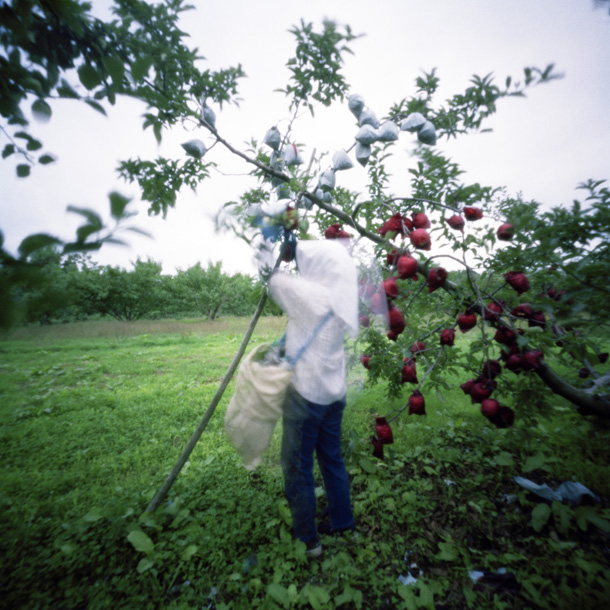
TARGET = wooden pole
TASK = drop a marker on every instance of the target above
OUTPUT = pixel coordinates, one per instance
(210, 410)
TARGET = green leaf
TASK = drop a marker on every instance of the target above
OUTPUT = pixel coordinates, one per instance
(93, 515)
(8, 150)
(279, 594)
(534, 462)
(89, 76)
(65, 90)
(189, 551)
(41, 111)
(540, 516)
(96, 106)
(140, 67)
(23, 170)
(35, 242)
(33, 144)
(504, 459)
(92, 217)
(448, 551)
(84, 231)
(118, 203)
(140, 541)
(145, 564)
(115, 67)
(46, 159)
(318, 597)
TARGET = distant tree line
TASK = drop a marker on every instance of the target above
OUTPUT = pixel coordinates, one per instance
(65, 288)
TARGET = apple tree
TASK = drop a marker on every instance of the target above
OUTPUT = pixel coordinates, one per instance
(444, 258)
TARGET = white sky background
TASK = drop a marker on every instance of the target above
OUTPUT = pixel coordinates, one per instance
(541, 146)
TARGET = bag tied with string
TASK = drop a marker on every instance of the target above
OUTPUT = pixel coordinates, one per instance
(257, 402)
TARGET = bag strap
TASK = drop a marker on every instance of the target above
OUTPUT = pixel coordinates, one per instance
(292, 361)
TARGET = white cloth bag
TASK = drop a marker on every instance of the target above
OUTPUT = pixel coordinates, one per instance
(256, 405)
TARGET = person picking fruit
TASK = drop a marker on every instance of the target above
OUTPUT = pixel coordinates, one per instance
(327, 282)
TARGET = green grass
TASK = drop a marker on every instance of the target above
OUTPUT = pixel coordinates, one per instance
(94, 416)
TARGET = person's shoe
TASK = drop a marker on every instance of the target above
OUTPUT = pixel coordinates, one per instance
(314, 549)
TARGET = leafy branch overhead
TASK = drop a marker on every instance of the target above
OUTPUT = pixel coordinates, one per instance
(523, 278)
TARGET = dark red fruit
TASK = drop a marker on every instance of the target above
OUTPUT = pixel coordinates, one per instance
(377, 448)
(383, 431)
(480, 391)
(392, 256)
(505, 232)
(366, 362)
(505, 335)
(436, 278)
(390, 287)
(525, 310)
(467, 321)
(456, 222)
(418, 346)
(473, 213)
(365, 321)
(396, 225)
(466, 387)
(420, 239)
(448, 337)
(336, 232)
(518, 281)
(378, 303)
(490, 407)
(406, 267)
(396, 320)
(420, 220)
(409, 372)
(492, 312)
(417, 404)
(491, 368)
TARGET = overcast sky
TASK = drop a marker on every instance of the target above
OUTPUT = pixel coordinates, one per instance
(541, 146)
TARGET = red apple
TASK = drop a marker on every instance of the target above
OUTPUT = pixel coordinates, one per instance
(396, 320)
(490, 407)
(448, 337)
(390, 287)
(383, 431)
(365, 321)
(396, 225)
(505, 232)
(518, 281)
(467, 321)
(418, 346)
(505, 335)
(417, 404)
(436, 278)
(420, 220)
(366, 362)
(406, 267)
(473, 213)
(492, 312)
(466, 387)
(377, 448)
(392, 256)
(456, 222)
(491, 368)
(420, 239)
(378, 303)
(409, 372)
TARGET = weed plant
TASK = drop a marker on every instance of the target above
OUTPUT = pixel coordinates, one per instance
(94, 416)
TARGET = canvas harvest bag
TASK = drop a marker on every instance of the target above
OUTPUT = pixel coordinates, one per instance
(257, 403)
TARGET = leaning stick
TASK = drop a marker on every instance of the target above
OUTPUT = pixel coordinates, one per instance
(210, 410)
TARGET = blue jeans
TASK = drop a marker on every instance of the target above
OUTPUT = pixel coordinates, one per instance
(309, 427)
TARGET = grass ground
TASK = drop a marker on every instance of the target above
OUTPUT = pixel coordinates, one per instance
(94, 416)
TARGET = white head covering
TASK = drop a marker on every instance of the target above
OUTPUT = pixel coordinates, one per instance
(329, 264)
